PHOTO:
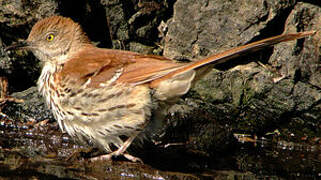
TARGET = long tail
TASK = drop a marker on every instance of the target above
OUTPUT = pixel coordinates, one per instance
(235, 52)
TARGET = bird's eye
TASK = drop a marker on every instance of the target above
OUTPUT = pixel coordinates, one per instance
(50, 37)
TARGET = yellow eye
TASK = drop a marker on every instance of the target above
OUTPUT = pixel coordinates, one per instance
(50, 37)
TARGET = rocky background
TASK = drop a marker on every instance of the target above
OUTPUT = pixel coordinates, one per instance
(274, 90)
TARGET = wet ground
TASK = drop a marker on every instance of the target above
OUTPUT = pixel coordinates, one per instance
(40, 151)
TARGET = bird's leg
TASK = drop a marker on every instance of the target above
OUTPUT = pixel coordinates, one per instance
(120, 151)
(123, 148)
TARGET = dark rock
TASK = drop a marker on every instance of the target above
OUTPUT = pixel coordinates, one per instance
(116, 17)
(201, 28)
(5, 65)
(300, 61)
(256, 97)
(141, 48)
(33, 107)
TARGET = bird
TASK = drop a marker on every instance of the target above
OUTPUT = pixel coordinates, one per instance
(107, 97)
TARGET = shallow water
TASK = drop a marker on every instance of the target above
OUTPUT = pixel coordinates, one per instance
(30, 151)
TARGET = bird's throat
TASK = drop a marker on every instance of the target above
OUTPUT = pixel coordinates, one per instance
(47, 88)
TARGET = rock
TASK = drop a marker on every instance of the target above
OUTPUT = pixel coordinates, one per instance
(141, 48)
(33, 108)
(5, 65)
(300, 61)
(255, 97)
(201, 28)
(24, 13)
(304, 16)
(116, 17)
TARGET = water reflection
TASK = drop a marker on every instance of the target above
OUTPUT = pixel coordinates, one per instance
(43, 151)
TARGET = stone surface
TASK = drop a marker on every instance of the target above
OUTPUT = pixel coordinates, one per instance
(200, 28)
(256, 97)
(300, 62)
(306, 67)
(33, 108)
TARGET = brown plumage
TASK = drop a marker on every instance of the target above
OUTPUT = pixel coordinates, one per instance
(100, 95)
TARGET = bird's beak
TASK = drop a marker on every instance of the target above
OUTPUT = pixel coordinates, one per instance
(18, 45)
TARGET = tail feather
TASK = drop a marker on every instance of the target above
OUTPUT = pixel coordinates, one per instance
(234, 52)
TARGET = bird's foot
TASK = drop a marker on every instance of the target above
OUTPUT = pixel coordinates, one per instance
(121, 151)
(116, 154)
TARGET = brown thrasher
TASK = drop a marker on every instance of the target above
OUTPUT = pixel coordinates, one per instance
(103, 95)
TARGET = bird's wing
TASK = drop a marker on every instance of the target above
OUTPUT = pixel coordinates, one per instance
(108, 66)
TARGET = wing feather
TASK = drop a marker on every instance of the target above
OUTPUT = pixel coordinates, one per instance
(101, 65)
